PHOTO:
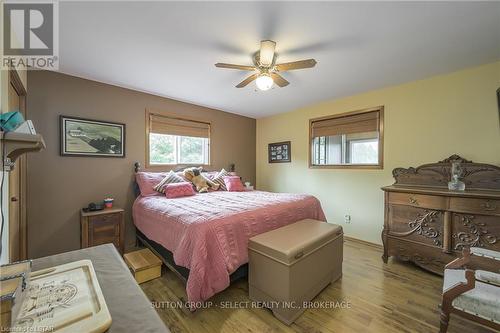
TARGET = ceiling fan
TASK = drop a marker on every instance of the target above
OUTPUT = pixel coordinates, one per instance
(267, 71)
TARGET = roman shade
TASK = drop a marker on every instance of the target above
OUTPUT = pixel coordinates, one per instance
(347, 124)
(175, 126)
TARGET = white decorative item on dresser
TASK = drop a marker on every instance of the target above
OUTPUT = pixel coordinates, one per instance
(430, 225)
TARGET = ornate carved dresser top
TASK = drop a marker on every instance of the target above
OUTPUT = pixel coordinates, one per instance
(476, 176)
(430, 225)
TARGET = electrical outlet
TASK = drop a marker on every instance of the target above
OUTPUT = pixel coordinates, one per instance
(347, 218)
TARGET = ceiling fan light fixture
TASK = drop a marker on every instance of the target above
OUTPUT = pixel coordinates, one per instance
(266, 72)
(266, 54)
(264, 82)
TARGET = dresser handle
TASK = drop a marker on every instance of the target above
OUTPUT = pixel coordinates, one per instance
(488, 207)
(105, 217)
(413, 201)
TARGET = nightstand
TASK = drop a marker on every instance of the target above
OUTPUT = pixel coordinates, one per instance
(103, 226)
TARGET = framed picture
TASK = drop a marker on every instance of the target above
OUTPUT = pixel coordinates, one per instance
(280, 152)
(85, 137)
(498, 100)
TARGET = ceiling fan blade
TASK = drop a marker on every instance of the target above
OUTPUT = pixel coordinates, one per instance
(246, 81)
(266, 55)
(288, 66)
(232, 66)
(279, 80)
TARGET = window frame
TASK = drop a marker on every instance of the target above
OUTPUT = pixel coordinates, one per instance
(162, 166)
(379, 165)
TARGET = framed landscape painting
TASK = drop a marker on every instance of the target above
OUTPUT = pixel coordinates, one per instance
(85, 137)
(280, 152)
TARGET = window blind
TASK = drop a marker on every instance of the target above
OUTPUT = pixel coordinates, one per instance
(174, 126)
(348, 124)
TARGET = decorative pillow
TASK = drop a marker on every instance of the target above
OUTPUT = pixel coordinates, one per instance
(219, 179)
(170, 178)
(181, 174)
(147, 181)
(177, 190)
(210, 174)
(233, 184)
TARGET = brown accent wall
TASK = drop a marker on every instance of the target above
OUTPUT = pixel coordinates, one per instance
(59, 186)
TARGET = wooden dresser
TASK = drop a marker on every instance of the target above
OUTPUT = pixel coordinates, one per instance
(430, 225)
(103, 226)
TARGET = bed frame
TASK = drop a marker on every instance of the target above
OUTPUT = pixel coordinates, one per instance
(167, 256)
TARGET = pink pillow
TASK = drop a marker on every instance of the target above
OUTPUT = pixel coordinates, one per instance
(233, 184)
(177, 190)
(148, 180)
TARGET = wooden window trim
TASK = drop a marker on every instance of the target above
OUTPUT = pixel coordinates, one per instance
(150, 166)
(379, 165)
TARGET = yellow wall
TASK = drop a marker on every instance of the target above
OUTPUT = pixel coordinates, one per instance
(425, 121)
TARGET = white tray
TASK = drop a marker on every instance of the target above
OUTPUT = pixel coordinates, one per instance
(64, 299)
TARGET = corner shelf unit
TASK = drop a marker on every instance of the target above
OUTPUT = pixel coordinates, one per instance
(15, 144)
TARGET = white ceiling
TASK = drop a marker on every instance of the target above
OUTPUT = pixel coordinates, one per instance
(170, 48)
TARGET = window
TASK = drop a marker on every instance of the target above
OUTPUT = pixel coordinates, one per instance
(353, 139)
(174, 141)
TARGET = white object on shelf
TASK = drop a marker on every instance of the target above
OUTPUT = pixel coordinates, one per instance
(249, 188)
(26, 128)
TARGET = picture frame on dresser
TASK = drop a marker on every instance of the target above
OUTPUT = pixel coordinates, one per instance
(429, 225)
(280, 152)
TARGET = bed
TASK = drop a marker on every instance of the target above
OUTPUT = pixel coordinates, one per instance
(204, 237)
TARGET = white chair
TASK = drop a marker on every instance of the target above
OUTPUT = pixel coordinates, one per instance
(472, 294)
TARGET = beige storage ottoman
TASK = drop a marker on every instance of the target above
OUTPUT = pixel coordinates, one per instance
(291, 265)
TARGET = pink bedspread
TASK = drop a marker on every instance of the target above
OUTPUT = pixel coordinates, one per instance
(208, 233)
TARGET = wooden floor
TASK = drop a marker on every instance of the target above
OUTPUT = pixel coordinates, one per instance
(393, 297)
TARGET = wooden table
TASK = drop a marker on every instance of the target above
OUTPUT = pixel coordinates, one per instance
(130, 309)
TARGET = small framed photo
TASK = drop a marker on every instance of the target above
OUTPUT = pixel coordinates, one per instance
(86, 137)
(280, 152)
(498, 100)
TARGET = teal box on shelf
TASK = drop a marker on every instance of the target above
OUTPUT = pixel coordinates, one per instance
(11, 120)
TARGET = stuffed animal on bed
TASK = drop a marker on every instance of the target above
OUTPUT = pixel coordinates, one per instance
(202, 183)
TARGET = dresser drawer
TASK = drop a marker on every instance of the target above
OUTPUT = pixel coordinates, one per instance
(101, 227)
(416, 224)
(475, 206)
(419, 200)
(475, 231)
(424, 256)
(106, 219)
(105, 232)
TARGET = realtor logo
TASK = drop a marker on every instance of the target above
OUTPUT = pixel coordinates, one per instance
(30, 35)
